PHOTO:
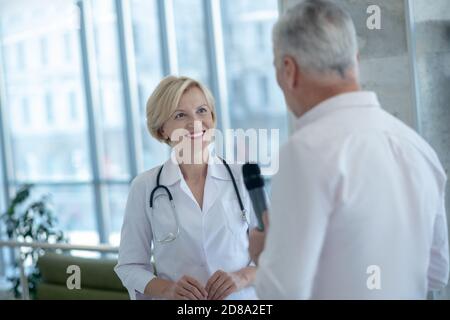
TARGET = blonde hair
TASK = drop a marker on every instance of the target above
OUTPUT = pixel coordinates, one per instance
(165, 99)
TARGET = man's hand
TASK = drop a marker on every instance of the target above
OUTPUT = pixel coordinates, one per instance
(257, 240)
(186, 288)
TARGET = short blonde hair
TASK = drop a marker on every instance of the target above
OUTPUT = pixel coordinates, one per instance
(165, 99)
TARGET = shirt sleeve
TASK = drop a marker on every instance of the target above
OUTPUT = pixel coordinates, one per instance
(298, 220)
(438, 270)
(134, 266)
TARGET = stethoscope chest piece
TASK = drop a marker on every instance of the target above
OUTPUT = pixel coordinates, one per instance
(244, 216)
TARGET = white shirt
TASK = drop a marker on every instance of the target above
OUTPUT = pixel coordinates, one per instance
(211, 238)
(358, 204)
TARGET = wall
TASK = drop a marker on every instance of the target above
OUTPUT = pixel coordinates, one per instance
(384, 62)
(432, 51)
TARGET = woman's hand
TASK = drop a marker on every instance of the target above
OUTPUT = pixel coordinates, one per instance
(187, 288)
(222, 284)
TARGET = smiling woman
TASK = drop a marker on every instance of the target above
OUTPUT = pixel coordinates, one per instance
(170, 103)
(198, 255)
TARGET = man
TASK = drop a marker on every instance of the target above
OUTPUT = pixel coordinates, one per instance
(358, 203)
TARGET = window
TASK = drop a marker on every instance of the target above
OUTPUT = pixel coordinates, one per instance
(76, 202)
(20, 55)
(253, 90)
(48, 103)
(3, 251)
(26, 112)
(149, 71)
(67, 100)
(117, 198)
(53, 157)
(44, 50)
(190, 30)
(113, 154)
(67, 46)
(73, 110)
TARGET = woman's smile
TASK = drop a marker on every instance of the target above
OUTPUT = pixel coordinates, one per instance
(196, 135)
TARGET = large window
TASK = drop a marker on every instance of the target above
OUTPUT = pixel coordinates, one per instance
(253, 90)
(190, 33)
(77, 76)
(110, 100)
(43, 92)
(150, 68)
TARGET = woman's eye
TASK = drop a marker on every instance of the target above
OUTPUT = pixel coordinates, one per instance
(179, 115)
(202, 110)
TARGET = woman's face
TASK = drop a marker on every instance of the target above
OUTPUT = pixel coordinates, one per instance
(190, 122)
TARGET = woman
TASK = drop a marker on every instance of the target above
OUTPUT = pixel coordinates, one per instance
(200, 244)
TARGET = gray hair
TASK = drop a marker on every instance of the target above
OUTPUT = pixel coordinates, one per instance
(319, 35)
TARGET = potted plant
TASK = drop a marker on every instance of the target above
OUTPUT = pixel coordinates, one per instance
(29, 220)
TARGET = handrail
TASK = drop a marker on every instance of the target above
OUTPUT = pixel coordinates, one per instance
(56, 246)
(61, 246)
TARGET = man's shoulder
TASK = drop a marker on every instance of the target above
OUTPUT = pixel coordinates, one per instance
(334, 135)
(316, 139)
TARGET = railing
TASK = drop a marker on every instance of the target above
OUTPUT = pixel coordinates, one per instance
(18, 245)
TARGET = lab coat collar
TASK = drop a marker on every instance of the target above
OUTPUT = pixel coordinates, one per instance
(171, 173)
(341, 101)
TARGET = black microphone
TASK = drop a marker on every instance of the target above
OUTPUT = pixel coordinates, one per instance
(254, 183)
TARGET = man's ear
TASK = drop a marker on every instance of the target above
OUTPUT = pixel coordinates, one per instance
(291, 71)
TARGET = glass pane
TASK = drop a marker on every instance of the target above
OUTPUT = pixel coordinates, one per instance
(2, 210)
(74, 208)
(113, 157)
(147, 49)
(255, 100)
(117, 198)
(190, 29)
(43, 90)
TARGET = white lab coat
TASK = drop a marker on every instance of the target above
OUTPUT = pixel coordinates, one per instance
(213, 238)
(357, 209)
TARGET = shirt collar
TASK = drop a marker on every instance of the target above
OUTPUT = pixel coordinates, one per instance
(171, 172)
(338, 102)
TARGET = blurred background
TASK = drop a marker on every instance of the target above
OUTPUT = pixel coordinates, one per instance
(75, 77)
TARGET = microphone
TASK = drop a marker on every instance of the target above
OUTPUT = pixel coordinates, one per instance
(254, 183)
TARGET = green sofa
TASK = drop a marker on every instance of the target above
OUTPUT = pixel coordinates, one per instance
(98, 279)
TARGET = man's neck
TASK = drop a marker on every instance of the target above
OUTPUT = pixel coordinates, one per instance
(318, 94)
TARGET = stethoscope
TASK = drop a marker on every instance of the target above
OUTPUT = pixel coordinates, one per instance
(171, 236)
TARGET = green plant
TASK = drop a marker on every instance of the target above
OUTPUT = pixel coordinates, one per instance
(29, 220)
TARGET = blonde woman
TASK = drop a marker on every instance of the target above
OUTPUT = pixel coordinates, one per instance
(193, 216)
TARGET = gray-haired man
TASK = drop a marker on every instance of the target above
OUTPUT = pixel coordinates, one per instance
(358, 203)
